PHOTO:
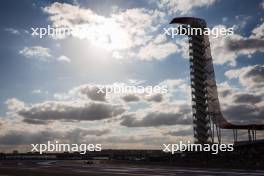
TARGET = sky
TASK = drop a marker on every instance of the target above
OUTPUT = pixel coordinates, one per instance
(48, 87)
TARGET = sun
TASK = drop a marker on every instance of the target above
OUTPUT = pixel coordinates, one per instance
(108, 34)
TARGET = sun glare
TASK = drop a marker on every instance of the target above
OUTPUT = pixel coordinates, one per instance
(108, 35)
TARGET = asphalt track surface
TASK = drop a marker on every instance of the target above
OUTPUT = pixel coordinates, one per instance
(67, 168)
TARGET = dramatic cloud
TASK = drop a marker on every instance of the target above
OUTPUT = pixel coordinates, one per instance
(226, 50)
(132, 33)
(246, 44)
(220, 52)
(245, 113)
(250, 76)
(36, 52)
(123, 33)
(240, 106)
(247, 98)
(70, 111)
(120, 33)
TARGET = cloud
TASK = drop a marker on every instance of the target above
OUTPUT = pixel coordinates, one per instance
(130, 98)
(70, 111)
(90, 91)
(77, 109)
(121, 30)
(173, 83)
(12, 31)
(245, 113)
(155, 119)
(14, 137)
(42, 53)
(258, 32)
(247, 44)
(181, 132)
(247, 98)
(241, 106)
(84, 132)
(221, 54)
(160, 38)
(63, 58)
(17, 137)
(37, 91)
(241, 21)
(251, 77)
(226, 49)
(36, 121)
(183, 7)
(131, 33)
(93, 92)
(155, 97)
(36, 52)
(14, 104)
(98, 92)
(157, 51)
(179, 86)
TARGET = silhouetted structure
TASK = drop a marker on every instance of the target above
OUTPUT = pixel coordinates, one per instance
(208, 118)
